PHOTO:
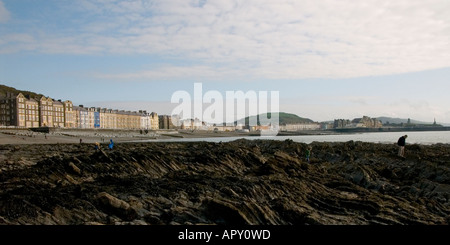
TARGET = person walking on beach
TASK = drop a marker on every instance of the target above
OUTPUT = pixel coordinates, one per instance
(401, 146)
(111, 144)
(308, 153)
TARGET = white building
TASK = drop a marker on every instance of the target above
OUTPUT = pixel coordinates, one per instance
(300, 126)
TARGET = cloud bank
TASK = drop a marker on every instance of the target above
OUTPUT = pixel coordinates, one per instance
(256, 39)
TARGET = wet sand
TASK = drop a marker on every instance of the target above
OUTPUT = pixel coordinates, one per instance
(103, 136)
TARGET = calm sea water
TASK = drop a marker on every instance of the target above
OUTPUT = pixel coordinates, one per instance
(426, 138)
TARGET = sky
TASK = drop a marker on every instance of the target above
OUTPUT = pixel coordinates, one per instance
(327, 59)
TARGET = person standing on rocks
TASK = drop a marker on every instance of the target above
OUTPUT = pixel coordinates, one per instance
(401, 146)
(308, 153)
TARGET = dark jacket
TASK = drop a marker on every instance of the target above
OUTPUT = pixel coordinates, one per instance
(401, 141)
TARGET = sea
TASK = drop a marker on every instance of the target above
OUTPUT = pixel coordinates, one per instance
(422, 137)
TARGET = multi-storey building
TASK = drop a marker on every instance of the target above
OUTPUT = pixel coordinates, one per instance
(121, 119)
(154, 121)
(5, 112)
(165, 122)
(45, 112)
(9, 112)
(112, 119)
(145, 120)
(97, 117)
(91, 117)
(68, 114)
(81, 117)
(77, 116)
(191, 124)
(300, 126)
(108, 119)
(58, 114)
(149, 121)
(341, 123)
(17, 110)
(31, 113)
(367, 122)
(20, 111)
(104, 118)
(132, 120)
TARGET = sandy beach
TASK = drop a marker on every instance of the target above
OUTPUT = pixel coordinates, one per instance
(73, 136)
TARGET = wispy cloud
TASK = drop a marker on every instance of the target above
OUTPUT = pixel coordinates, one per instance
(4, 13)
(15, 42)
(261, 39)
(170, 72)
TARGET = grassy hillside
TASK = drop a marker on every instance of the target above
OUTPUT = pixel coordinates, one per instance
(284, 118)
(4, 89)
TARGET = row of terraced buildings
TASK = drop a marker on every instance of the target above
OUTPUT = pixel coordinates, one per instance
(20, 111)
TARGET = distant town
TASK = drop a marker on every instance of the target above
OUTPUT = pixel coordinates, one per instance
(28, 110)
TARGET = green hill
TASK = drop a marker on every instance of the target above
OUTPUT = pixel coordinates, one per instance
(4, 89)
(284, 118)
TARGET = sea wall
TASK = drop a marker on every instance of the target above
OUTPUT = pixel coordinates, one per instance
(388, 129)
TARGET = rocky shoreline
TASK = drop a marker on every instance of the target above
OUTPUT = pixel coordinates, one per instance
(257, 182)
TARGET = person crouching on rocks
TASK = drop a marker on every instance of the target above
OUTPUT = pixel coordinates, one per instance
(111, 144)
(401, 146)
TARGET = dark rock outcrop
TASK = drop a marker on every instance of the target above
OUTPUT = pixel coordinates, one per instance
(260, 182)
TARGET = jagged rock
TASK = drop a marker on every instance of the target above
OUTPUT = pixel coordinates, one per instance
(241, 182)
(74, 168)
(153, 218)
(117, 206)
(223, 212)
(93, 223)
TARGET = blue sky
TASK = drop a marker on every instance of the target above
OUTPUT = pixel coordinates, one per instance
(327, 59)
